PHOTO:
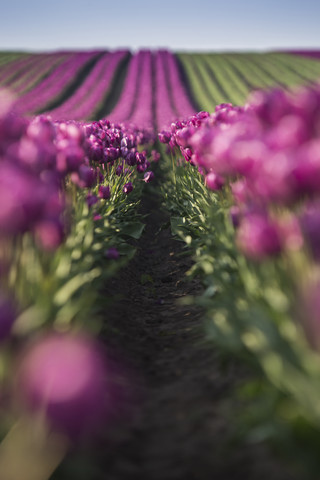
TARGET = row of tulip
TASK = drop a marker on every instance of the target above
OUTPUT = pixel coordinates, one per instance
(68, 220)
(125, 106)
(160, 98)
(88, 97)
(29, 77)
(136, 102)
(245, 197)
(52, 86)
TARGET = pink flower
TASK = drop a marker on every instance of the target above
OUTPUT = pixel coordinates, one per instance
(64, 376)
(112, 253)
(214, 181)
(258, 236)
(104, 192)
(128, 187)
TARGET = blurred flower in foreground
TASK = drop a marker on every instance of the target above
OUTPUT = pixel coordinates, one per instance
(112, 253)
(104, 192)
(66, 377)
(258, 236)
(214, 181)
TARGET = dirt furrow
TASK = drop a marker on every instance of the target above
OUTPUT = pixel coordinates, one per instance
(177, 429)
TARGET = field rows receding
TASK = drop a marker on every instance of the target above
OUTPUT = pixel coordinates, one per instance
(125, 87)
(230, 77)
(89, 212)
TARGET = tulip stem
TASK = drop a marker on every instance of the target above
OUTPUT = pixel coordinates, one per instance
(30, 452)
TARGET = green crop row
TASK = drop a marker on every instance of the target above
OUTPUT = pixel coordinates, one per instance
(230, 77)
(249, 315)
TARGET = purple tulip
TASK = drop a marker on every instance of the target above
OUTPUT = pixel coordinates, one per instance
(164, 137)
(128, 187)
(49, 234)
(96, 153)
(141, 167)
(214, 181)
(124, 152)
(270, 106)
(22, 199)
(41, 129)
(258, 236)
(148, 177)
(64, 376)
(87, 176)
(111, 154)
(182, 136)
(141, 158)
(69, 158)
(131, 159)
(91, 199)
(119, 170)
(155, 156)
(112, 253)
(104, 192)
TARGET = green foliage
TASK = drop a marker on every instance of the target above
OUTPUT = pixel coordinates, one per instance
(60, 289)
(249, 313)
(229, 77)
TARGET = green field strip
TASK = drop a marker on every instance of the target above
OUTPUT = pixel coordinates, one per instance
(210, 89)
(218, 93)
(256, 74)
(311, 64)
(248, 73)
(304, 76)
(219, 79)
(288, 77)
(5, 59)
(194, 82)
(293, 75)
(203, 98)
(215, 93)
(233, 79)
(305, 66)
(235, 89)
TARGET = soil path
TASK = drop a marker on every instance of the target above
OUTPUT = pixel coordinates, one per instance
(178, 430)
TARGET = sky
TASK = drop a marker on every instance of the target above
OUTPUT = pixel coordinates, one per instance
(181, 25)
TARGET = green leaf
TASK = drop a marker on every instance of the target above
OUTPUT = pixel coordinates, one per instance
(133, 229)
(69, 288)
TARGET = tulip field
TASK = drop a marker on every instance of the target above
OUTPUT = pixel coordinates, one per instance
(159, 265)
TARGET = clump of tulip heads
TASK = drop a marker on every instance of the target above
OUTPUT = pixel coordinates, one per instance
(37, 156)
(269, 152)
(30, 178)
